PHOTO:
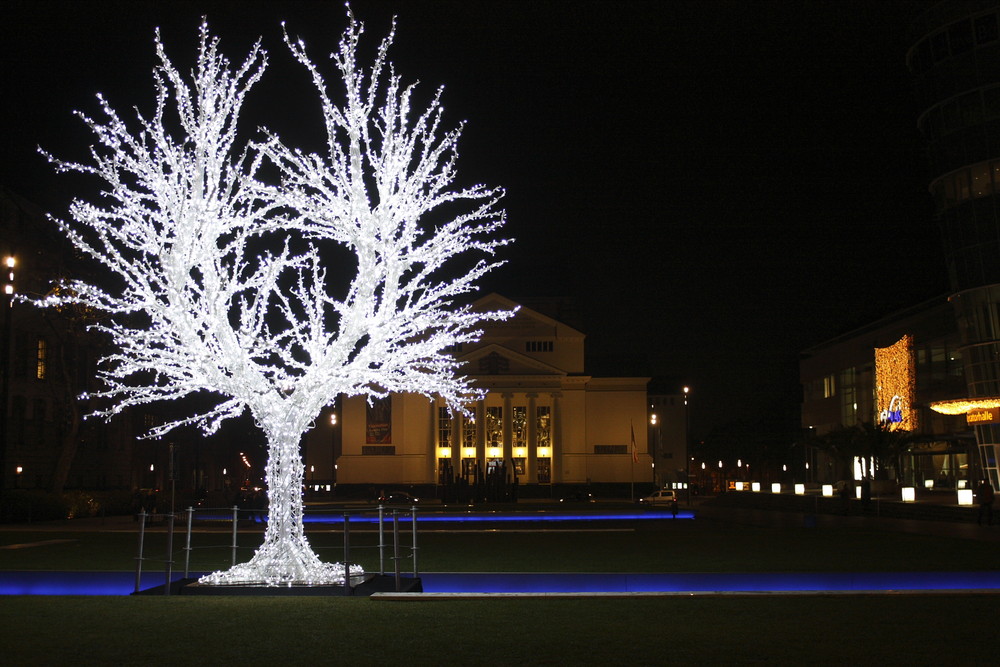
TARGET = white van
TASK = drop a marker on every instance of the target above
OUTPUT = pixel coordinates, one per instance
(661, 497)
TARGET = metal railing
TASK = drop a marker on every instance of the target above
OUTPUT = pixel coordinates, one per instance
(324, 517)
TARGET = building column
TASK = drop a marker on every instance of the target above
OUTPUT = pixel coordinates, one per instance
(481, 435)
(555, 420)
(530, 465)
(457, 444)
(433, 478)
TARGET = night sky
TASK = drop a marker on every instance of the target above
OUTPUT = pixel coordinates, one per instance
(715, 185)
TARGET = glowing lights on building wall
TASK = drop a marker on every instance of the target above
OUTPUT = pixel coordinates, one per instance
(895, 384)
(964, 406)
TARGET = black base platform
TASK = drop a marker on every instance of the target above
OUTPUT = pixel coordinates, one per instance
(361, 586)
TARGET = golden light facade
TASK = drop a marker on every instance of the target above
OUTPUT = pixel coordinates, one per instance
(895, 384)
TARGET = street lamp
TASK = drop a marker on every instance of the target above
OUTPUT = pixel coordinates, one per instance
(8, 305)
(8, 287)
(687, 445)
(335, 441)
(656, 449)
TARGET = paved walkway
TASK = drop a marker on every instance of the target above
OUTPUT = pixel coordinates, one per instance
(777, 518)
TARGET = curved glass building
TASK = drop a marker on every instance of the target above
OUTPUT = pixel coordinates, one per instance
(954, 60)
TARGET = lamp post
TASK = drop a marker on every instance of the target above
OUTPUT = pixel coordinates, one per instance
(656, 449)
(687, 445)
(335, 442)
(7, 304)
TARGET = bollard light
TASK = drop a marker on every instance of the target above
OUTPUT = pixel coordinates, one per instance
(965, 496)
(828, 490)
(755, 487)
(800, 489)
(776, 487)
(909, 494)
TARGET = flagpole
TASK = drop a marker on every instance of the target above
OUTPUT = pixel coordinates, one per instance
(631, 429)
(632, 483)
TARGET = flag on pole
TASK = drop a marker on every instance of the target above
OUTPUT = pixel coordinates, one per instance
(635, 452)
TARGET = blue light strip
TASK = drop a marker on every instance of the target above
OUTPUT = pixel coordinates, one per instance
(123, 583)
(476, 517)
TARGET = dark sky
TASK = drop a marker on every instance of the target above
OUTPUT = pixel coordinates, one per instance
(717, 185)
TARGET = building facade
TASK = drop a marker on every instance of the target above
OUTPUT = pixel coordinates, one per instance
(669, 444)
(892, 372)
(543, 420)
(955, 65)
(47, 358)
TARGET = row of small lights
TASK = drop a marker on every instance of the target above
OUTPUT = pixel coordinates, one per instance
(907, 493)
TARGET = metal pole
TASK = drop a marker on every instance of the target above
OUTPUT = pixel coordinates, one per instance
(413, 513)
(187, 547)
(395, 548)
(347, 554)
(169, 569)
(236, 519)
(381, 540)
(138, 558)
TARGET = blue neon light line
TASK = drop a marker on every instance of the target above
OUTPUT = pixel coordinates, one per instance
(444, 517)
(123, 583)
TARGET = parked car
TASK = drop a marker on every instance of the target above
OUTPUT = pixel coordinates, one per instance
(661, 497)
(398, 498)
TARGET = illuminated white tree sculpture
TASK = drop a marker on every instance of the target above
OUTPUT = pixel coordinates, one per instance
(221, 284)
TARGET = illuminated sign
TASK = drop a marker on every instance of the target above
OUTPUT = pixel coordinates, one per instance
(894, 413)
(983, 416)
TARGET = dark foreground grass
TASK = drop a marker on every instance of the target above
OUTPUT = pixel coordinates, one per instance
(817, 630)
(891, 629)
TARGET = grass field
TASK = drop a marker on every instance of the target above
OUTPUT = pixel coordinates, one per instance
(814, 629)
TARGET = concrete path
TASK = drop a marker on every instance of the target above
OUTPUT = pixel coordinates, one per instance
(756, 517)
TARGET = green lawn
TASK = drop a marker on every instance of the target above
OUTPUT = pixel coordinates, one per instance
(816, 630)
(669, 546)
(808, 629)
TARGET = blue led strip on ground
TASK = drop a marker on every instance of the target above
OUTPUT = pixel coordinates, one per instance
(122, 583)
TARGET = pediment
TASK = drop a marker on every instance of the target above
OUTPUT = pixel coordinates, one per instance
(499, 360)
(526, 323)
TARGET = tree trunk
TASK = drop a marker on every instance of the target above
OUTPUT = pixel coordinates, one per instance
(285, 558)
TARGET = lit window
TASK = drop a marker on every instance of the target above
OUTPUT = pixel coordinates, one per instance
(469, 429)
(543, 425)
(519, 434)
(444, 427)
(41, 358)
(494, 427)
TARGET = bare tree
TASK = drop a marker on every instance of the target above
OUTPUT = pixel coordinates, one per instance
(221, 284)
